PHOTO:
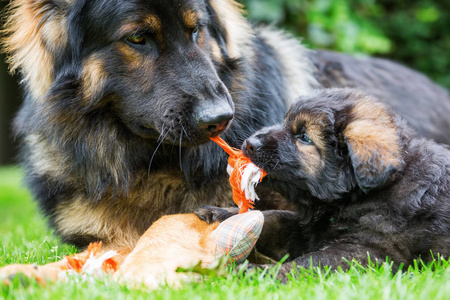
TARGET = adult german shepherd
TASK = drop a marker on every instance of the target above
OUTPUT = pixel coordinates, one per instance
(121, 98)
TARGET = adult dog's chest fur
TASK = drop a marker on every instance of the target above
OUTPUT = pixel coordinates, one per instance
(124, 218)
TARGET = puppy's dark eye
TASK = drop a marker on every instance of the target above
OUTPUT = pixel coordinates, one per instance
(137, 39)
(304, 138)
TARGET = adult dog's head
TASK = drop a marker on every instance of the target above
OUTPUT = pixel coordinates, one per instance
(107, 82)
(331, 143)
(160, 66)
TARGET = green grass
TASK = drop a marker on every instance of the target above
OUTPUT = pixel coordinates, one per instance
(24, 238)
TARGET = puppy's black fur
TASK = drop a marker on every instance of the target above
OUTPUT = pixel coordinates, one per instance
(363, 182)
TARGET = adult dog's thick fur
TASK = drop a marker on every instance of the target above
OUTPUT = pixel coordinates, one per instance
(364, 184)
(122, 96)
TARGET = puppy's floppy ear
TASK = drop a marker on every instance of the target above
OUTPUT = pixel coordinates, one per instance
(373, 144)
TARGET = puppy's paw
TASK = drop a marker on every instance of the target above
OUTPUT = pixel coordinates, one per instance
(212, 214)
(252, 269)
(266, 270)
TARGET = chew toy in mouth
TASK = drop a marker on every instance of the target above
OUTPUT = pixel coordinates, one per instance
(244, 176)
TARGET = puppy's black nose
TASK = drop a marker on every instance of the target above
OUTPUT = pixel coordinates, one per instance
(251, 145)
(214, 123)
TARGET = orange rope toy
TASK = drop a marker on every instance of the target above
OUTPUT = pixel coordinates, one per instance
(244, 176)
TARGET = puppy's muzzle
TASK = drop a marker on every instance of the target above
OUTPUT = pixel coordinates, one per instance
(251, 145)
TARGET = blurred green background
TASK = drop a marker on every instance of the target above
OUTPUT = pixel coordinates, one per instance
(415, 33)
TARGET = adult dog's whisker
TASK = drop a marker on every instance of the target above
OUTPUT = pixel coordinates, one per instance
(180, 147)
(154, 152)
(184, 130)
(162, 131)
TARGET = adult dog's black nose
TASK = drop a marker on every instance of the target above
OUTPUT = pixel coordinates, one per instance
(214, 122)
(251, 145)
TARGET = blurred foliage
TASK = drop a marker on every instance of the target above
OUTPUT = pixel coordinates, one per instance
(415, 33)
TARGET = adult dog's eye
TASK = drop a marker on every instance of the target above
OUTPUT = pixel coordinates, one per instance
(143, 42)
(304, 138)
(137, 39)
(195, 32)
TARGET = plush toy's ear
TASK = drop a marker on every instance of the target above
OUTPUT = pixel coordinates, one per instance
(373, 144)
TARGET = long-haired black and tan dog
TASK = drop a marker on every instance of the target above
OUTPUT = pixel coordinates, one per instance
(121, 98)
(364, 183)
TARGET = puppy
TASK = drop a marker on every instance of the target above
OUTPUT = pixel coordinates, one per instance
(365, 185)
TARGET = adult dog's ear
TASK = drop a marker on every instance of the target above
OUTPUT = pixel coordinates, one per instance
(230, 30)
(34, 33)
(373, 143)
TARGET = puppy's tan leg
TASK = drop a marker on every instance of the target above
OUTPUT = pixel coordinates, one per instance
(171, 242)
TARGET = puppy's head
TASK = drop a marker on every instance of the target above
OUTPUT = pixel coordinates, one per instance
(332, 142)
